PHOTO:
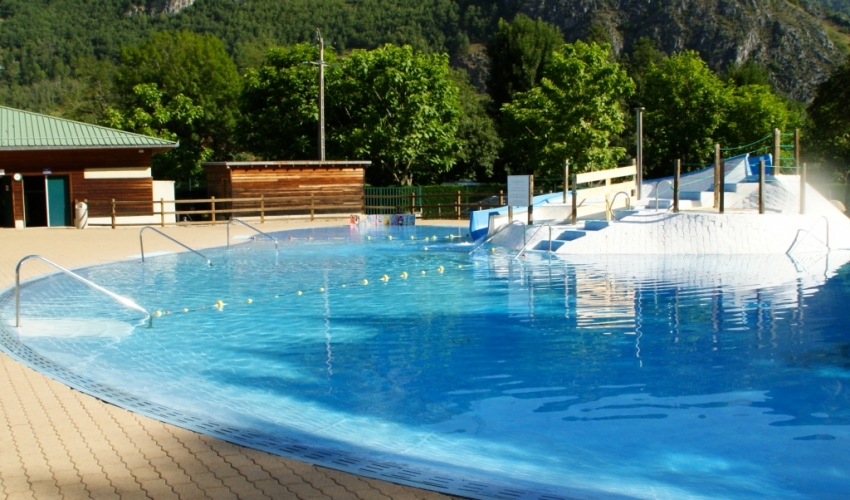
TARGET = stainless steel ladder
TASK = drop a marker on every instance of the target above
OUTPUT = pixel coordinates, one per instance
(142, 245)
(121, 300)
(231, 221)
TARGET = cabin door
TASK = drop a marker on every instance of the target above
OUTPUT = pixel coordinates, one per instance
(7, 211)
(58, 204)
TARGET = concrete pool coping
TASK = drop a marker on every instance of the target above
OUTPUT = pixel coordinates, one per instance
(61, 443)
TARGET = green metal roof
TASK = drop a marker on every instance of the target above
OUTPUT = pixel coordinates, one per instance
(24, 130)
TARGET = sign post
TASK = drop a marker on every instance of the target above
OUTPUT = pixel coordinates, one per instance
(520, 193)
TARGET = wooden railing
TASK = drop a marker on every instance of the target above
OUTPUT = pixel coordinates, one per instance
(600, 183)
(220, 210)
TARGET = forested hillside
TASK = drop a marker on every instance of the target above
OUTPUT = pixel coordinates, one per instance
(231, 79)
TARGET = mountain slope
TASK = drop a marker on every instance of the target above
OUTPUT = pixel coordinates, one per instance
(787, 39)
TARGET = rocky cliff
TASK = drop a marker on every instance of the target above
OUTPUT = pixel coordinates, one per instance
(789, 40)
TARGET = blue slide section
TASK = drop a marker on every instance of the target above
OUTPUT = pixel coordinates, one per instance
(479, 220)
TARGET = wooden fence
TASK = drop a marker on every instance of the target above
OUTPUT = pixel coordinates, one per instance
(219, 210)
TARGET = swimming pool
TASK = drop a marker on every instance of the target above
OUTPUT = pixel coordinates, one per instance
(682, 377)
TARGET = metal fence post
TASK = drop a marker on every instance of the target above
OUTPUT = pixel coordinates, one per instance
(212, 206)
(413, 202)
(457, 207)
(113, 213)
(162, 212)
(262, 209)
(312, 207)
(761, 186)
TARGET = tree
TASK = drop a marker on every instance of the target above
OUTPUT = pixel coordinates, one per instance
(685, 105)
(279, 103)
(830, 129)
(518, 51)
(477, 132)
(573, 114)
(753, 112)
(155, 114)
(196, 67)
(399, 109)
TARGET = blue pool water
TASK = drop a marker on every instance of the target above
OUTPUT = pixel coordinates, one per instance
(613, 377)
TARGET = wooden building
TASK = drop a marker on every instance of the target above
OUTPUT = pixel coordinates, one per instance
(288, 187)
(46, 163)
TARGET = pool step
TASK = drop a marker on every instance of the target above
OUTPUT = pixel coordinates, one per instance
(595, 225)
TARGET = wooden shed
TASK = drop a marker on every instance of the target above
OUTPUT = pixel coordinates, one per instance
(287, 187)
(46, 163)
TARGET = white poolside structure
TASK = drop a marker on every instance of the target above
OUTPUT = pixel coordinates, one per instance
(611, 221)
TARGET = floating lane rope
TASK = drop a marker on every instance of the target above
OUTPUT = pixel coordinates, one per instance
(385, 278)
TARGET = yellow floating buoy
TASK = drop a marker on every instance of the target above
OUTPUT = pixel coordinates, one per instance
(425, 248)
(249, 300)
(344, 285)
(460, 266)
(413, 237)
(298, 292)
(365, 282)
(185, 309)
(158, 313)
(276, 296)
(440, 269)
(422, 272)
(493, 250)
(404, 275)
(475, 264)
(219, 303)
(368, 237)
(390, 237)
(433, 238)
(321, 289)
(385, 278)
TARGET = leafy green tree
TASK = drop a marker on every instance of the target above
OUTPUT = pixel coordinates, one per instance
(573, 114)
(398, 108)
(279, 103)
(748, 73)
(753, 112)
(518, 51)
(830, 120)
(155, 114)
(685, 106)
(196, 67)
(477, 132)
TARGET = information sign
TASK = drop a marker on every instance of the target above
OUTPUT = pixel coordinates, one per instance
(519, 187)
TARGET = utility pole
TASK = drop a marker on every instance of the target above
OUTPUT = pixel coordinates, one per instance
(321, 64)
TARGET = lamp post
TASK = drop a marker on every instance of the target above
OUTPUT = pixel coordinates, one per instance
(321, 64)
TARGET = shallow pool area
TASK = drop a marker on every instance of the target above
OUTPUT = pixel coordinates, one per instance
(479, 375)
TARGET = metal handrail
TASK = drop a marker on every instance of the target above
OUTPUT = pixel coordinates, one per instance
(808, 233)
(656, 190)
(142, 245)
(524, 246)
(511, 223)
(121, 300)
(611, 203)
(250, 227)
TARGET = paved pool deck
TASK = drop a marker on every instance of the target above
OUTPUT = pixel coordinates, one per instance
(56, 442)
